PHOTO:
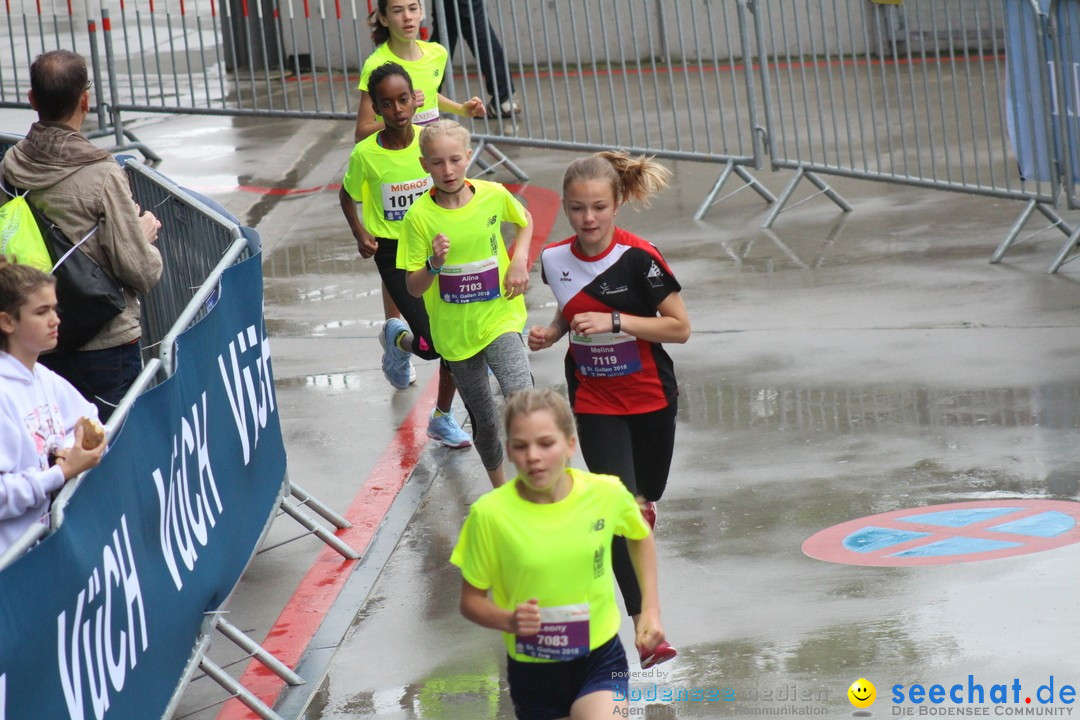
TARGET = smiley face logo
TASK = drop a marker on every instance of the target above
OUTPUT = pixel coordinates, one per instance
(862, 693)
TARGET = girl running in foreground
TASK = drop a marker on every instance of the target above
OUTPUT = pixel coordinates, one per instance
(619, 301)
(540, 545)
(385, 175)
(452, 250)
(39, 410)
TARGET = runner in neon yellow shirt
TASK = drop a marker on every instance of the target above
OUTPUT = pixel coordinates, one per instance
(385, 175)
(541, 546)
(452, 251)
(395, 26)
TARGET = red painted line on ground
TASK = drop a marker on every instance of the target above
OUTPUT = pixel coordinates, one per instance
(316, 593)
(544, 206)
(298, 622)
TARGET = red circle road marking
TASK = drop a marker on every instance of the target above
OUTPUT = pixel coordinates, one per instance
(829, 545)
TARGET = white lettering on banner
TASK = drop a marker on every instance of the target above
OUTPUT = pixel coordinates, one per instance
(185, 515)
(260, 392)
(102, 652)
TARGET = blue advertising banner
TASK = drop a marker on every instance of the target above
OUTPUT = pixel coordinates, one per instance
(1066, 18)
(1026, 99)
(100, 619)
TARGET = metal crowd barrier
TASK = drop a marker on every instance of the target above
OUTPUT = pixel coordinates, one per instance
(911, 93)
(648, 76)
(1064, 19)
(192, 240)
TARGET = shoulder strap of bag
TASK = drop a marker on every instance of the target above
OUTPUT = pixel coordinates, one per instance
(74, 247)
(14, 193)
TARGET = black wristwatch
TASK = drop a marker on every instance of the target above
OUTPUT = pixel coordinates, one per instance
(616, 321)
(431, 268)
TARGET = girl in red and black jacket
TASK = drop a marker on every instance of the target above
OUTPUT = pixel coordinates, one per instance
(619, 301)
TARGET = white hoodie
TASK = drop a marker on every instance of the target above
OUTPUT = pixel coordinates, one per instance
(38, 414)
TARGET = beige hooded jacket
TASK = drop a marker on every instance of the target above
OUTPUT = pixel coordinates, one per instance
(77, 185)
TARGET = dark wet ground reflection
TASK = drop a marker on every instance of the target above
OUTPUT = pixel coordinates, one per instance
(872, 408)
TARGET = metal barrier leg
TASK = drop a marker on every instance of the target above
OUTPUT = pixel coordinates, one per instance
(306, 498)
(487, 168)
(241, 693)
(710, 199)
(744, 174)
(477, 160)
(827, 190)
(319, 531)
(784, 197)
(1014, 232)
(753, 182)
(258, 652)
(823, 189)
(1066, 250)
(501, 159)
(1047, 211)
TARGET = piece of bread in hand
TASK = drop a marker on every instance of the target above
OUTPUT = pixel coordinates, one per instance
(93, 433)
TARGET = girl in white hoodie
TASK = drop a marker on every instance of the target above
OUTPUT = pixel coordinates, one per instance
(40, 446)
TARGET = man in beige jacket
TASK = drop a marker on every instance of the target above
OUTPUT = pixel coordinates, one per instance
(77, 186)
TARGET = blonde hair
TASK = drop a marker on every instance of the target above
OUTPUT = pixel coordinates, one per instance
(633, 180)
(526, 402)
(17, 283)
(443, 128)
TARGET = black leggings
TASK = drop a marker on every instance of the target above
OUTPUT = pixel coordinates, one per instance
(412, 308)
(637, 449)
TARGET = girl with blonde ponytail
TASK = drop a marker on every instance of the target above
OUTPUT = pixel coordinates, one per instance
(619, 301)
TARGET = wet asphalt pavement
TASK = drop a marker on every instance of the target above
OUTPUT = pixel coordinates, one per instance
(840, 366)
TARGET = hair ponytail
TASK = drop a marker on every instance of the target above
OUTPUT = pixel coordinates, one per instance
(633, 180)
(380, 34)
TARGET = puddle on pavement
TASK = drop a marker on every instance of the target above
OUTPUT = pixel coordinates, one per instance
(330, 382)
(283, 294)
(454, 692)
(278, 327)
(334, 256)
(871, 408)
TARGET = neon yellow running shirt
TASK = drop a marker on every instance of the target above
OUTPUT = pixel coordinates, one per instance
(426, 73)
(465, 303)
(559, 554)
(386, 182)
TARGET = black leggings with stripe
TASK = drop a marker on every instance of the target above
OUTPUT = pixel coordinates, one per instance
(637, 449)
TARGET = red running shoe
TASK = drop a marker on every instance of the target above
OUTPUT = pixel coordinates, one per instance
(648, 511)
(659, 654)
